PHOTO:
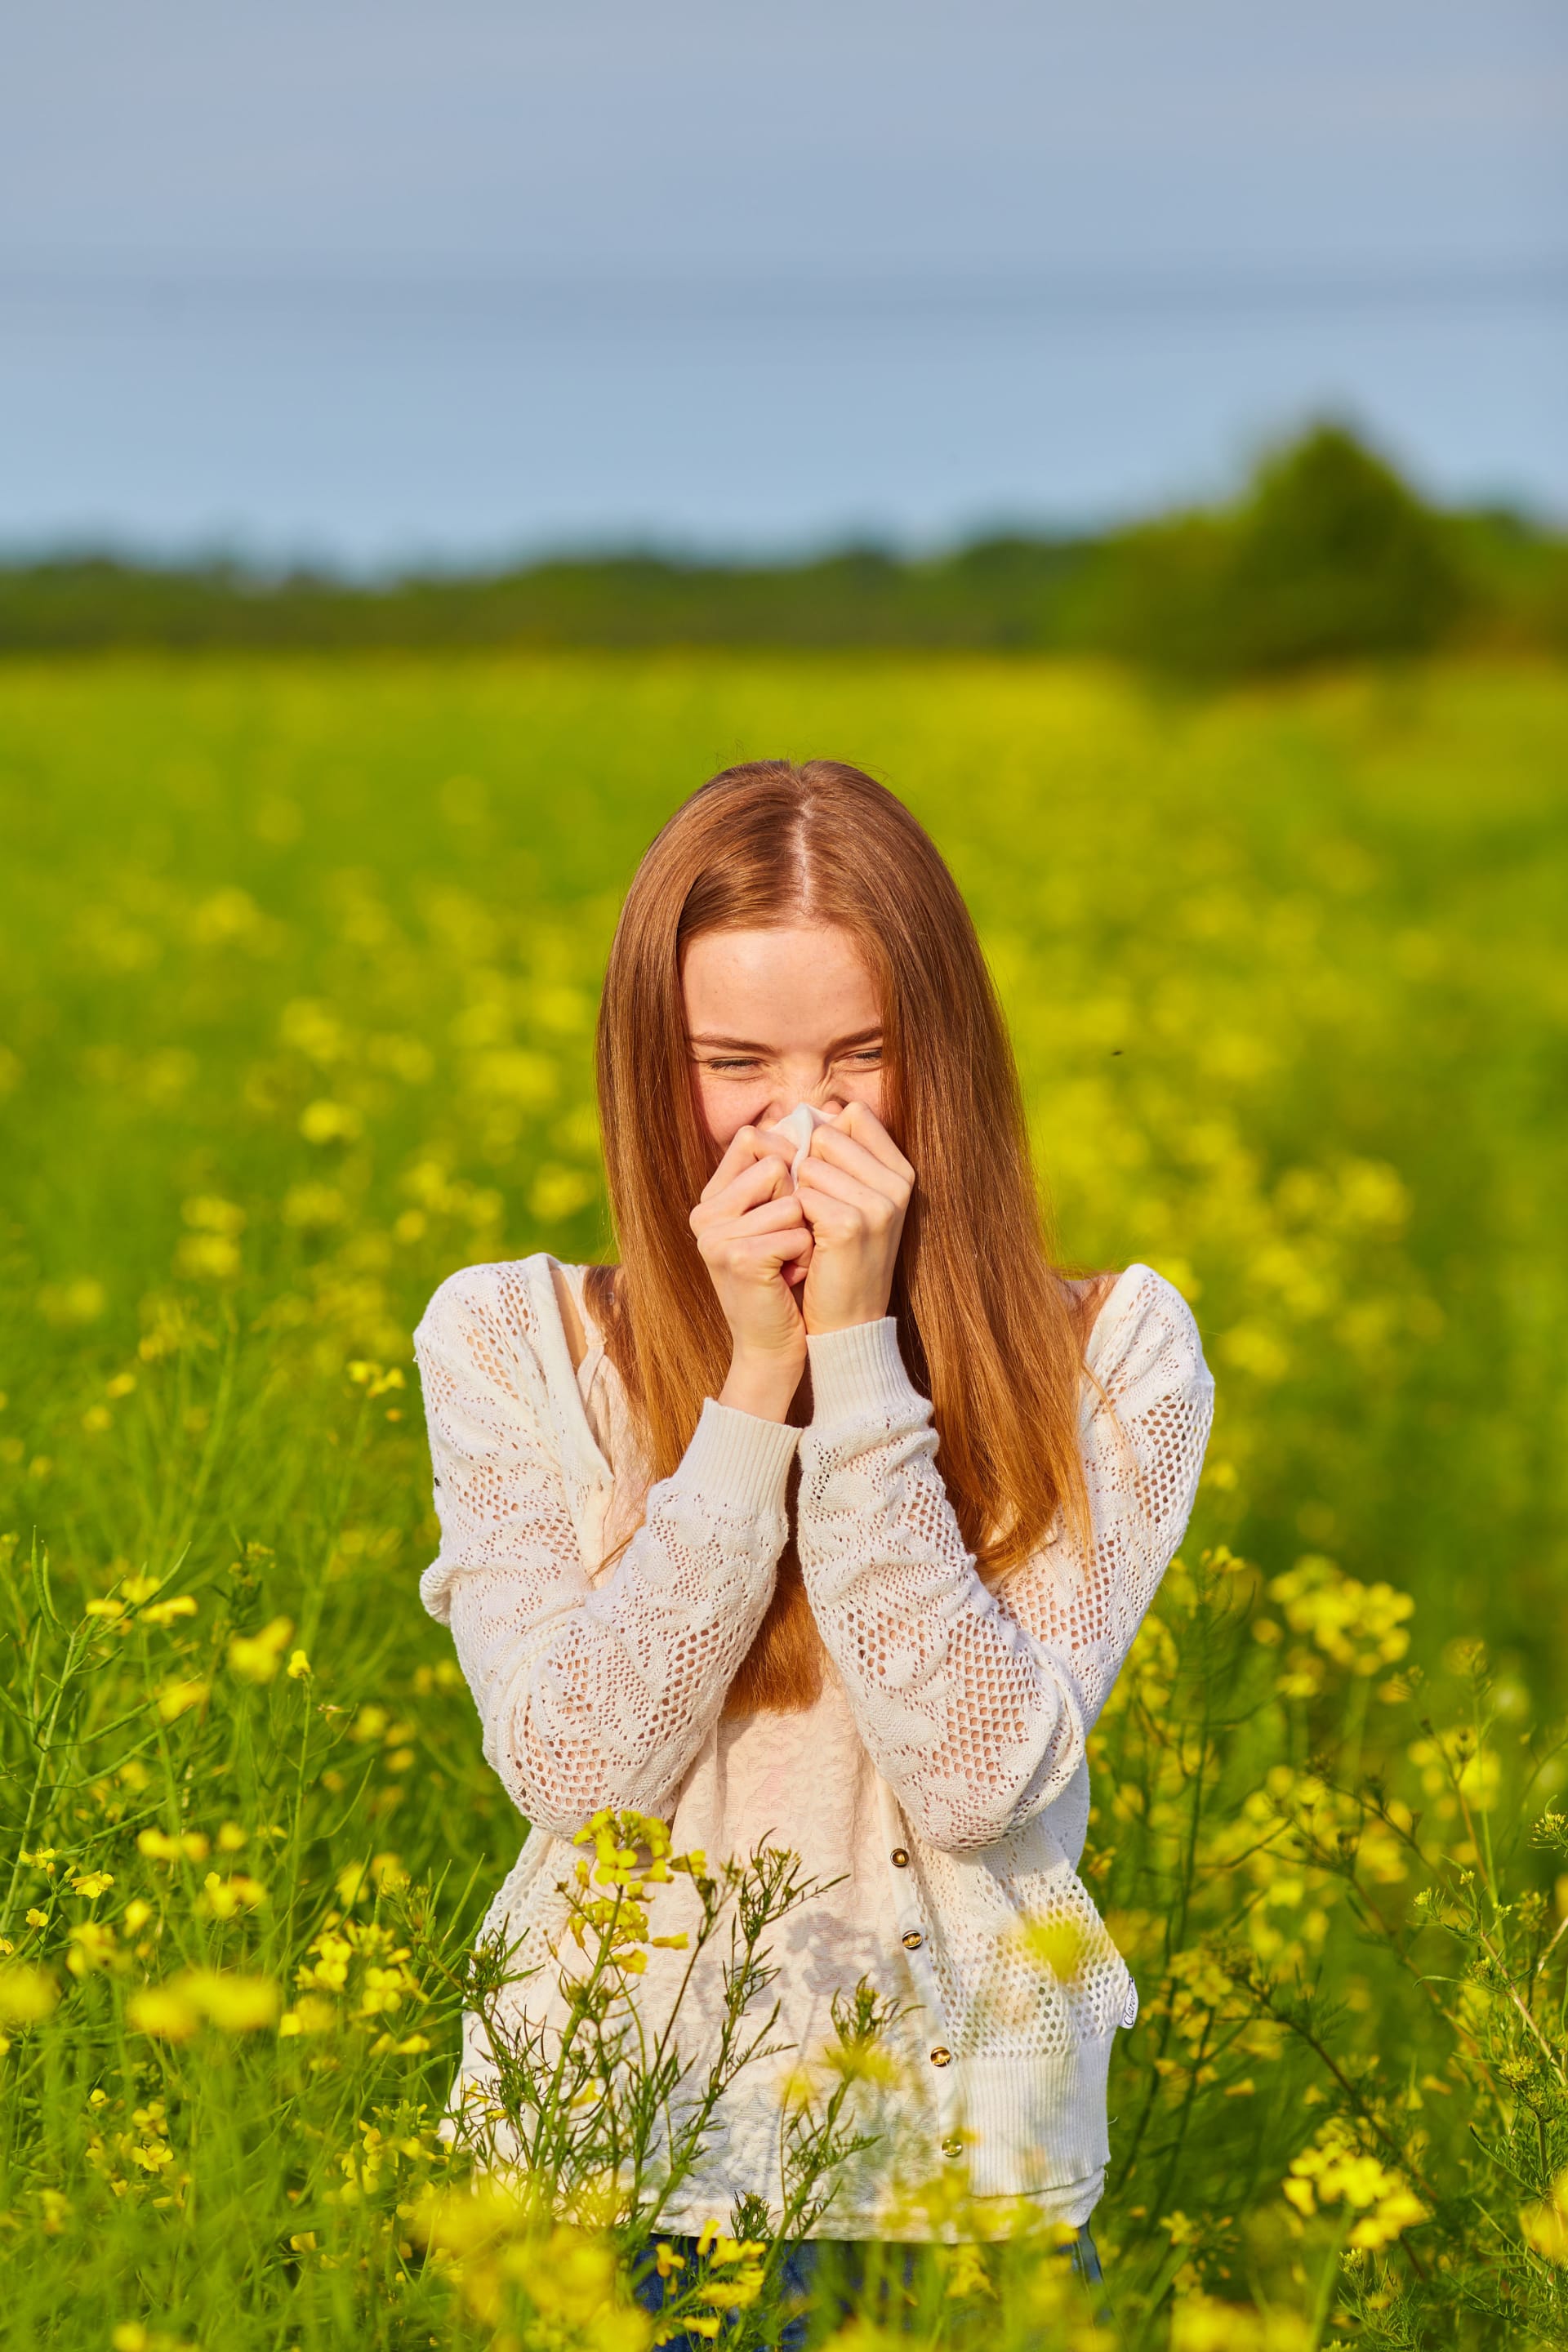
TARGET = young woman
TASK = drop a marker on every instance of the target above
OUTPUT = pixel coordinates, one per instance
(827, 1517)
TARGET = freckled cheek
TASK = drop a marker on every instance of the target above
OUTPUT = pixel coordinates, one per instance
(869, 1088)
(723, 1108)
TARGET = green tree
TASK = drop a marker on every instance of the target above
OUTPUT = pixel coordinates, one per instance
(1333, 557)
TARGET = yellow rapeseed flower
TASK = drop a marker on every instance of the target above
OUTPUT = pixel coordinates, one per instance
(1334, 2170)
(208, 1212)
(331, 1122)
(208, 1257)
(26, 1995)
(1063, 1945)
(966, 2272)
(232, 2003)
(1200, 2324)
(130, 2335)
(225, 1898)
(310, 1207)
(559, 1193)
(162, 1613)
(310, 2015)
(158, 1845)
(1362, 1627)
(256, 1657)
(92, 1946)
(235, 2004)
(1544, 2226)
(178, 1696)
(163, 2011)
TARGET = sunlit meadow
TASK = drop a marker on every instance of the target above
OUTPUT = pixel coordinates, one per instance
(298, 971)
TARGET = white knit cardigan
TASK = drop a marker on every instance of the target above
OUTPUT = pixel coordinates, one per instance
(973, 1701)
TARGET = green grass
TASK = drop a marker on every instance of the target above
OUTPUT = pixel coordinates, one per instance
(298, 966)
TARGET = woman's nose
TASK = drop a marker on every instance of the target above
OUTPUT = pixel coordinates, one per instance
(820, 1098)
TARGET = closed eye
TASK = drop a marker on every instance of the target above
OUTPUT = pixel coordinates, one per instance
(728, 1064)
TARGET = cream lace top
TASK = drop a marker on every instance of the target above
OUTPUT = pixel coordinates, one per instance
(941, 1777)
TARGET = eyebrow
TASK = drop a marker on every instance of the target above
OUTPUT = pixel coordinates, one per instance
(751, 1046)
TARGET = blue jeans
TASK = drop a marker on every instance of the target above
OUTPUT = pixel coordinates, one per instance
(820, 2270)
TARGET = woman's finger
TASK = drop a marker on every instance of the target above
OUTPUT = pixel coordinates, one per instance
(826, 1192)
(767, 1217)
(746, 1147)
(716, 1228)
(775, 1248)
(859, 1124)
(858, 1118)
(749, 1147)
(750, 1181)
(831, 1147)
(751, 1256)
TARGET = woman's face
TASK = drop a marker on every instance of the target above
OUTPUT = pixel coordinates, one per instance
(774, 1018)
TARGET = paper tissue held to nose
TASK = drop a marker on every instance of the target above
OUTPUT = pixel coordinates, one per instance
(799, 1126)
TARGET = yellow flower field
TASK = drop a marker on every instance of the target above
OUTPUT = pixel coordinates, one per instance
(298, 972)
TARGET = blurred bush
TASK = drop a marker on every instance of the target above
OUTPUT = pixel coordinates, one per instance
(1328, 557)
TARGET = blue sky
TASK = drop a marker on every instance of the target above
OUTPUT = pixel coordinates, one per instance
(387, 281)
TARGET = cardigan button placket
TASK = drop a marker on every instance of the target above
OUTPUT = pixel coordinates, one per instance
(950, 2118)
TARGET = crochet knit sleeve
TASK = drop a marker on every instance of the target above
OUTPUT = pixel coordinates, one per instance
(591, 1692)
(975, 1701)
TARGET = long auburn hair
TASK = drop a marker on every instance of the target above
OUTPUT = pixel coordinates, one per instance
(988, 1329)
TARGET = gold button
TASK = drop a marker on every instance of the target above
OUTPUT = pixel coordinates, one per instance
(941, 2056)
(913, 1941)
(953, 2147)
(900, 1859)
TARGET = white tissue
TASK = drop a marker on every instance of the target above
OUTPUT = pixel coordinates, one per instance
(802, 1122)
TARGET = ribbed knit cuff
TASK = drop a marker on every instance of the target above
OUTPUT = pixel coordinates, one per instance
(859, 1372)
(740, 1459)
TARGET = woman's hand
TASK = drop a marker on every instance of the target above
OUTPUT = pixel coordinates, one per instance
(854, 1187)
(751, 1230)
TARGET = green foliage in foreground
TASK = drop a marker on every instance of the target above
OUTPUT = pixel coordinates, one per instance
(298, 966)
(1328, 556)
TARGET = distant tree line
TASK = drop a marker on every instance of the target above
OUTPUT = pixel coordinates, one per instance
(1328, 556)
